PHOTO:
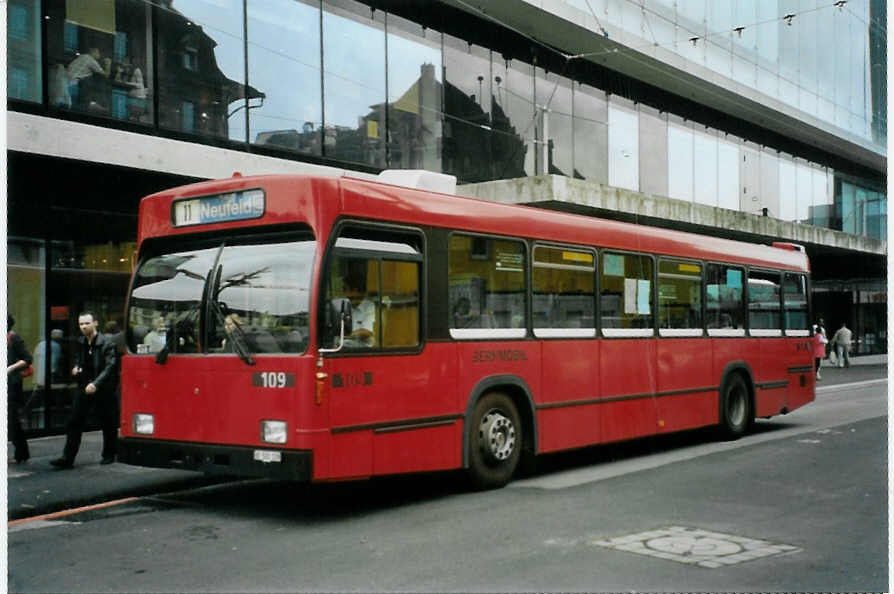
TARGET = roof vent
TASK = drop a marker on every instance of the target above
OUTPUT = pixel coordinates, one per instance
(420, 179)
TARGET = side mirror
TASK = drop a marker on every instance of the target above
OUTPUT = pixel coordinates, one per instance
(345, 314)
(338, 323)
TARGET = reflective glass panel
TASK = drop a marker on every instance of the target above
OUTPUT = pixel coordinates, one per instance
(705, 168)
(554, 125)
(414, 96)
(467, 101)
(354, 83)
(201, 69)
(590, 134)
(727, 174)
(849, 218)
(514, 119)
(99, 58)
(284, 63)
(23, 51)
(623, 147)
(787, 190)
(679, 161)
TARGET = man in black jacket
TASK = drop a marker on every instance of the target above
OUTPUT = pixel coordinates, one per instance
(96, 370)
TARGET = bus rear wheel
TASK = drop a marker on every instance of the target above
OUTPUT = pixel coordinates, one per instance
(495, 441)
(735, 408)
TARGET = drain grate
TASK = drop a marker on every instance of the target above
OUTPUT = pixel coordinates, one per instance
(696, 547)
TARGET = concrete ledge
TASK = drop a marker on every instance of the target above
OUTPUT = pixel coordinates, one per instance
(595, 196)
(73, 140)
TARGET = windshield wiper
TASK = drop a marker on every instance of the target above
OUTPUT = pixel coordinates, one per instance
(240, 340)
(238, 337)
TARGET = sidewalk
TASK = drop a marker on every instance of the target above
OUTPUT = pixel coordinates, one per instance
(37, 488)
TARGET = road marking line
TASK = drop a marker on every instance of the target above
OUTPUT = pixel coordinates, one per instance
(77, 510)
(850, 385)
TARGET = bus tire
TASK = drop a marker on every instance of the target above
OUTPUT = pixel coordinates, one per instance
(735, 408)
(495, 441)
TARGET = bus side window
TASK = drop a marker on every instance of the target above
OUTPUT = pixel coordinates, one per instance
(763, 300)
(487, 287)
(724, 297)
(795, 302)
(625, 289)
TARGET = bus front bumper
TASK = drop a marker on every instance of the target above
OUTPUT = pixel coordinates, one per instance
(217, 459)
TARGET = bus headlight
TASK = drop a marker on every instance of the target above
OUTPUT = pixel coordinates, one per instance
(144, 424)
(274, 431)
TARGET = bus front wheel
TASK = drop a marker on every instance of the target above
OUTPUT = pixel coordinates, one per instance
(495, 441)
(735, 408)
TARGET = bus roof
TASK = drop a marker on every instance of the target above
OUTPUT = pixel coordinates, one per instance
(319, 200)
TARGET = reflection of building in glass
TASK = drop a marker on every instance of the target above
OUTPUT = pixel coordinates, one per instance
(195, 97)
(414, 124)
(305, 141)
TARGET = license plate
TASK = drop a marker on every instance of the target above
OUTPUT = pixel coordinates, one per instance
(267, 456)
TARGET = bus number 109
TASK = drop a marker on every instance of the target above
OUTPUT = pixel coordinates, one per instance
(273, 379)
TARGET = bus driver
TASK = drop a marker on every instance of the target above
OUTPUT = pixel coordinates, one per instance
(363, 314)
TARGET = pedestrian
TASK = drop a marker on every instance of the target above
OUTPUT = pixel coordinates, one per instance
(819, 345)
(40, 391)
(96, 371)
(842, 341)
(17, 359)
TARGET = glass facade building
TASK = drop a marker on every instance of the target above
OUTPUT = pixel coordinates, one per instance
(440, 86)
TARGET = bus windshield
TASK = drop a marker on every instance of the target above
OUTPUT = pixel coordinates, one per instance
(249, 296)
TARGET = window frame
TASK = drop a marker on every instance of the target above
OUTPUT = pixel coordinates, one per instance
(681, 332)
(547, 333)
(521, 333)
(627, 332)
(764, 332)
(796, 331)
(333, 251)
(743, 309)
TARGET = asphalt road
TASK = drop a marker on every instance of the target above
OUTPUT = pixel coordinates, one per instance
(798, 505)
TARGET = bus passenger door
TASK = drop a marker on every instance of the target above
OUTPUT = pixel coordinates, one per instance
(389, 398)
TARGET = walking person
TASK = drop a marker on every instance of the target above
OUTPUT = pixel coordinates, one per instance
(44, 353)
(819, 345)
(96, 370)
(842, 341)
(17, 359)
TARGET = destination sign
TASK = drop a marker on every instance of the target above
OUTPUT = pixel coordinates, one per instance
(219, 208)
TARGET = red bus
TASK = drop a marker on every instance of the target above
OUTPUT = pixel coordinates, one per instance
(329, 328)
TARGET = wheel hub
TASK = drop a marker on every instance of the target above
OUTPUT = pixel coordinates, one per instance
(497, 436)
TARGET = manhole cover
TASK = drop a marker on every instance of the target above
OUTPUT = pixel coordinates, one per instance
(696, 547)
